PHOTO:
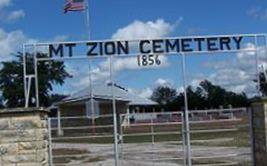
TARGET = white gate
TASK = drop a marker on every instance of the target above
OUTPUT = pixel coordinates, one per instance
(181, 46)
(218, 137)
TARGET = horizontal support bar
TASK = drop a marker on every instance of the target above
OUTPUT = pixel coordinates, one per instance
(136, 40)
(215, 121)
(213, 131)
(81, 137)
(81, 117)
(152, 124)
(150, 134)
(72, 155)
(82, 127)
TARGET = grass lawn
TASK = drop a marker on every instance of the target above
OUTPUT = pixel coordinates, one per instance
(239, 137)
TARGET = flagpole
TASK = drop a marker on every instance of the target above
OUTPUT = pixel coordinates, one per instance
(90, 77)
(88, 19)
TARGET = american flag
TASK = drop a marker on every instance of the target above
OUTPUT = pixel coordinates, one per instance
(74, 5)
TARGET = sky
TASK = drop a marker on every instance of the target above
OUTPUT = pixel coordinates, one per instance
(44, 21)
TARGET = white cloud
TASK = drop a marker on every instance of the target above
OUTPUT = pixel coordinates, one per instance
(164, 82)
(150, 29)
(102, 71)
(233, 79)
(238, 72)
(15, 15)
(254, 12)
(71, 69)
(4, 3)
(144, 93)
(148, 91)
(195, 83)
(258, 13)
(7, 15)
(11, 42)
(134, 30)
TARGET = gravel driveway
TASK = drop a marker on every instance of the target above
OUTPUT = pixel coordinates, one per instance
(141, 154)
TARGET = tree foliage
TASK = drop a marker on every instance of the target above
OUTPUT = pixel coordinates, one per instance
(11, 80)
(205, 96)
(217, 96)
(163, 95)
(263, 83)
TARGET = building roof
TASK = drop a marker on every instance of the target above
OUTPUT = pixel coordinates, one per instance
(104, 92)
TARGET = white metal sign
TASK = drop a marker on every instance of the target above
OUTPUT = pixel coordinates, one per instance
(147, 46)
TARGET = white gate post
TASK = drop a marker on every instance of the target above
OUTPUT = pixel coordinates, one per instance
(115, 125)
(251, 138)
(35, 59)
(59, 131)
(187, 125)
(50, 142)
(24, 75)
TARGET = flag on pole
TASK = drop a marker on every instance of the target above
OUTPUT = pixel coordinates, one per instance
(74, 5)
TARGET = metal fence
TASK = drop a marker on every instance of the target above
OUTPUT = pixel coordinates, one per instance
(152, 138)
(80, 140)
(218, 137)
(221, 137)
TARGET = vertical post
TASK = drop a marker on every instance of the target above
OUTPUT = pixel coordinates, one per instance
(152, 139)
(88, 19)
(28, 89)
(89, 37)
(265, 51)
(59, 122)
(36, 77)
(128, 116)
(50, 143)
(265, 39)
(114, 114)
(257, 64)
(121, 135)
(183, 137)
(24, 75)
(90, 77)
(251, 136)
(187, 127)
(91, 99)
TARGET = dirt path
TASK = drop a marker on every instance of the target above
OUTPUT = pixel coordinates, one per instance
(141, 154)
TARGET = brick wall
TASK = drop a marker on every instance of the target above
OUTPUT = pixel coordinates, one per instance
(23, 137)
(259, 121)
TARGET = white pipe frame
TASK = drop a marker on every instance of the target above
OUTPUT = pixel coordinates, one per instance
(187, 130)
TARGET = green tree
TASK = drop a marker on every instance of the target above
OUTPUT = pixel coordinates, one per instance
(196, 98)
(163, 95)
(11, 80)
(217, 96)
(263, 83)
(208, 95)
